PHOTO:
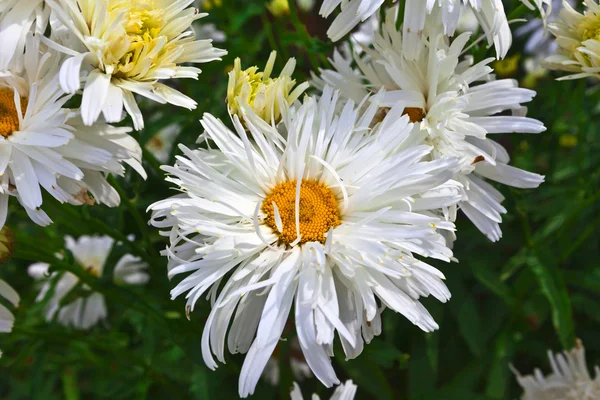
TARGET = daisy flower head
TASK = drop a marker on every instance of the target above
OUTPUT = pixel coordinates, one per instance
(454, 106)
(17, 18)
(570, 378)
(7, 319)
(126, 47)
(91, 254)
(345, 391)
(316, 212)
(44, 145)
(267, 96)
(578, 39)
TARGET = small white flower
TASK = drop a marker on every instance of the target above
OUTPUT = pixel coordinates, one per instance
(570, 379)
(43, 145)
(17, 18)
(7, 319)
(345, 391)
(126, 47)
(90, 253)
(318, 211)
(161, 144)
(578, 40)
(455, 106)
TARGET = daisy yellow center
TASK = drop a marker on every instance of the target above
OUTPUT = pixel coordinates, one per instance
(319, 211)
(9, 116)
(590, 27)
(143, 21)
(415, 114)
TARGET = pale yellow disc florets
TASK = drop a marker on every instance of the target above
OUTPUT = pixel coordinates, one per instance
(9, 116)
(318, 211)
(265, 95)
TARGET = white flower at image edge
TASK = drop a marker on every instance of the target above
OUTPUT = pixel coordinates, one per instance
(91, 254)
(45, 146)
(126, 47)
(455, 106)
(345, 391)
(570, 378)
(332, 218)
(7, 319)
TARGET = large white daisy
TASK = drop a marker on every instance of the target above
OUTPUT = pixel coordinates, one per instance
(91, 254)
(570, 378)
(455, 106)
(17, 18)
(7, 319)
(44, 145)
(322, 212)
(128, 46)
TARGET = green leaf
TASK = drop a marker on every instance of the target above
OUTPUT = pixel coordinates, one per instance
(553, 287)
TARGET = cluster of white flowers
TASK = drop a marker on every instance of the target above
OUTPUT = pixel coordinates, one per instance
(68, 69)
(327, 202)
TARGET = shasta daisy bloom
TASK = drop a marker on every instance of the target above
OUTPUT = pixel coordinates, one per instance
(345, 391)
(317, 211)
(7, 319)
(578, 40)
(17, 17)
(44, 145)
(126, 47)
(265, 95)
(570, 378)
(455, 106)
(90, 253)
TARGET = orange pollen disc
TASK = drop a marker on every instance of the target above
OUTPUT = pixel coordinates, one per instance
(319, 211)
(415, 114)
(9, 117)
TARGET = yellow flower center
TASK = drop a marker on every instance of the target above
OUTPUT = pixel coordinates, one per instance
(319, 211)
(590, 27)
(415, 114)
(143, 47)
(9, 117)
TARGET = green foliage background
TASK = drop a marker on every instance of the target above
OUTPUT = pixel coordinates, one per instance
(537, 289)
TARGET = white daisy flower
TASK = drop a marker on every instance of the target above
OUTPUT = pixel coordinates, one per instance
(126, 47)
(322, 212)
(570, 379)
(345, 391)
(7, 319)
(267, 96)
(578, 40)
(90, 253)
(44, 145)
(454, 105)
(17, 18)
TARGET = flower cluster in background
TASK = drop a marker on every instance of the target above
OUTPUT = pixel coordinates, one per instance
(305, 201)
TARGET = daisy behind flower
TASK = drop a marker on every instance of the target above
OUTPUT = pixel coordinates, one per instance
(455, 106)
(7, 319)
(17, 18)
(319, 216)
(345, 391)
(91, 254)
(126, 47)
